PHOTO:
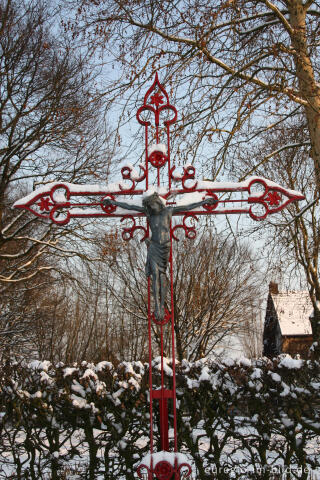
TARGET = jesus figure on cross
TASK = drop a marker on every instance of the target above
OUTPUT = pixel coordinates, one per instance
(159, 218)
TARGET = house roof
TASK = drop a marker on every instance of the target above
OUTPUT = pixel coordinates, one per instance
(293, 310)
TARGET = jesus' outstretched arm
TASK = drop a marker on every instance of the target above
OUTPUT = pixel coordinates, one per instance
(124, 205)
(192, 206)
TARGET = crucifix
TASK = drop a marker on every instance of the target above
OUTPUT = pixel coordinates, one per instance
(159, 220)
(157, 193)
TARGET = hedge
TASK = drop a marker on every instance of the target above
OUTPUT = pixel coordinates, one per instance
(236, 419)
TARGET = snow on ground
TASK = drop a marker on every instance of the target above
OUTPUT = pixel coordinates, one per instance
(235, 460)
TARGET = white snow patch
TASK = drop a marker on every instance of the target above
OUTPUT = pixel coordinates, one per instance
(38, 394)
(287, 422)
(286, 390)
(291, 363)
(257, 373)
(205, 184)
(134, 382)
(128, 367)
(157, 147)
(78, 402)
(205, 375)
(77, 388)
(89, 374)
(103, 366)
(72, 187)
(37, 365)
(275, 377)
(166, 367)
(164, 456)
(245, 362)
(44, 377)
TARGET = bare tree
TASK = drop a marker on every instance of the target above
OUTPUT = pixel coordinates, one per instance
(50, 126)
(251, 336)
(69, 320)
(26, 316)
(293, 240)
(243, 71)
(215, 280)
(239, 68)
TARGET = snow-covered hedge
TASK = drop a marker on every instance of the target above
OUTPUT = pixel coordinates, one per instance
(236, 419)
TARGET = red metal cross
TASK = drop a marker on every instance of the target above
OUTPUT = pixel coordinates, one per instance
(60, 202)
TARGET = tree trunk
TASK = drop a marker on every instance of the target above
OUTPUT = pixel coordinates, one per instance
(309, 88)
(315, 325)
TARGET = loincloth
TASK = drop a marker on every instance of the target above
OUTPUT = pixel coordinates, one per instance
(157, 257)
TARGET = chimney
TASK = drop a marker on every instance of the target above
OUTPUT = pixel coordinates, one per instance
(273, 288)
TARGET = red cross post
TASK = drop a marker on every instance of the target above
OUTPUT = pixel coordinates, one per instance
(60, 202)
